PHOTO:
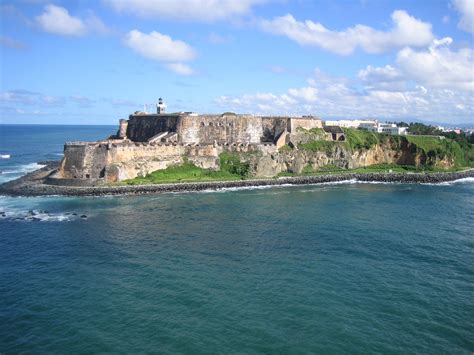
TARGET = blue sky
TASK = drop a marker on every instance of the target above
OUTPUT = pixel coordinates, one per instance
(93, 62)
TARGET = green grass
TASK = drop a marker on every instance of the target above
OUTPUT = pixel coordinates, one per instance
(359, 139)
(187, 172)
(435, 147)
(320, 146)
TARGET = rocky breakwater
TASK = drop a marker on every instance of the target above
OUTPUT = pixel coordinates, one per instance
(34, 187)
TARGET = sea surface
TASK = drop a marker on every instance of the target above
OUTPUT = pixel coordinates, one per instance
(331, 268)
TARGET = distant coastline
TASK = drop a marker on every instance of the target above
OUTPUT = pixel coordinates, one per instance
(33, 184)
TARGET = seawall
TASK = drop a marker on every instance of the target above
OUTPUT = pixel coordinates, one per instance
(32, 184)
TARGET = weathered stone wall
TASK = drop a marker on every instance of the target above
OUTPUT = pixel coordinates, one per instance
(129, 160)
(220, 129)
(273, 127)
(304, 122)
(216, 129)
(84, 160)
(141, 128)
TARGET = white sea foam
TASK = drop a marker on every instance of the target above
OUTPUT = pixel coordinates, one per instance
(37, 215)
(468, 180)
(22, 169)
(5, 156)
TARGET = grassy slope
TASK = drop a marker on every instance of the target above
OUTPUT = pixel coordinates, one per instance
(433, 146)
(186, 172)
(231, 169)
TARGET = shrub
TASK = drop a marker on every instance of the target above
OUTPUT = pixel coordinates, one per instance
(230, 162)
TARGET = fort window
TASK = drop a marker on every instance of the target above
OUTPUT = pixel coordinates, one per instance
(88, 176)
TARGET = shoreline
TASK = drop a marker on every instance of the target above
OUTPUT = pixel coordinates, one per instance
(32, 184)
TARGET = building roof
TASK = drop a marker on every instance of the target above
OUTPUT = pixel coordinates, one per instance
(333, 129)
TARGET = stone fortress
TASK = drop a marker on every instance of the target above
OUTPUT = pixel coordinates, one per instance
(148, 142)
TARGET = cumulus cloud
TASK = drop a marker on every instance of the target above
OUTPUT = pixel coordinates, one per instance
(439, 66)
(385, 78)
(466, 10)
(162, 48)
(189, 10)
(157, 46)
(57, 20)
(406, 31)
(329, 96)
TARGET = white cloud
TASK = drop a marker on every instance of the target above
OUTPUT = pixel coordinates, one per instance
(162, 48)
(340, 97)
(158, 46)
(190, 10)
(406, 31)
(56, 20)
(439, 67)
(383, 78)
(466, 10)
(180, 68)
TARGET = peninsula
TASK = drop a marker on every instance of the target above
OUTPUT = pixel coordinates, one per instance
(229, 150)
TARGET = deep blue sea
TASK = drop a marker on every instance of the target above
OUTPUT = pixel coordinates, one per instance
(332, 268)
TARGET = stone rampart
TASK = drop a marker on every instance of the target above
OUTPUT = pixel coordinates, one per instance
(137, 149)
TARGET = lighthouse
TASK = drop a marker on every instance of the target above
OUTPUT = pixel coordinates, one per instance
(160, 107)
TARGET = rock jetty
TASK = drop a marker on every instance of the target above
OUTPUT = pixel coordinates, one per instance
(33, 184)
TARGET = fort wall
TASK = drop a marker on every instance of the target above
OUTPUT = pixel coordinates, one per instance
(141, 128)
(126, 160)
(150, 142)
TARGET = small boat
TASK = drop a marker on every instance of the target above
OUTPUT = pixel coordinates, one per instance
(5, 156)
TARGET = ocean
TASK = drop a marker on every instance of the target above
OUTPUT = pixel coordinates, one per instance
(331, 268)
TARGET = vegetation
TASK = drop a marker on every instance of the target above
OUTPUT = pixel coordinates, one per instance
(186, 172)
(454, 147)
(361, 139)
(320, 145)
(230, 163)
(286, 148)
(437, 148)
(422, 129)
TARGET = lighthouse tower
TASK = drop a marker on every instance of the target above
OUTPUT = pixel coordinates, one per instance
(160, 107)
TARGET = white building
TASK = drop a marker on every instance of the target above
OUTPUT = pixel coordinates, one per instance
(352, 123)
(389, 128)
(370, 125)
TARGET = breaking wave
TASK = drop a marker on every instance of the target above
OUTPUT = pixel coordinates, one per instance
(468, 180)
(5, 156)
(39, 216)
(22, 169)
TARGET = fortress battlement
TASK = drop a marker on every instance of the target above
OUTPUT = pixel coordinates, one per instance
(147, 142)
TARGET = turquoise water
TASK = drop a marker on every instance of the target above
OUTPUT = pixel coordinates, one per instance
(327, 269)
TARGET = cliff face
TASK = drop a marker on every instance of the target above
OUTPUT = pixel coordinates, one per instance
(340, 155)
